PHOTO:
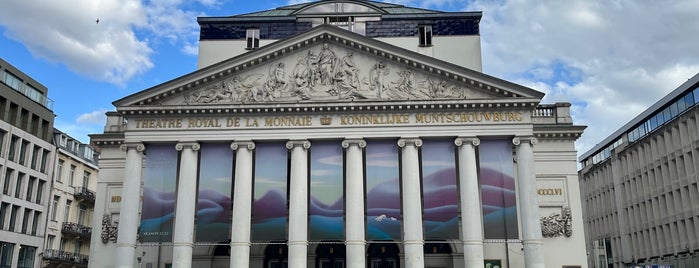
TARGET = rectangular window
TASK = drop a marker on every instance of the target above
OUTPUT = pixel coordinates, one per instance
(49, 241)
(7, 181)
(252, 36)
(82, 214)
(66, 212)
(54, 207)
(35, 222)
(20, 183)
(30, 188)
(3, 212)
(25, 220)
(13, 218)
(2, 140)
(44, 160)
(71, 175)
(13, 81)
(86, 179)
(6, 250)
(425, 35)
(59, 170)
(26, 256)
(23, 152)
(35, 156)
(40, 191)
(13, 148)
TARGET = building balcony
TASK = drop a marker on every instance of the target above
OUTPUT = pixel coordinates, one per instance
(84, 194)
(65, 258)
(74, 229)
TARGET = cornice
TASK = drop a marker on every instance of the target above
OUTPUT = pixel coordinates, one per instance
(324, 107)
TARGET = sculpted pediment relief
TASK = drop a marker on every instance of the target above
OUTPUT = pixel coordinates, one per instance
(327, 64)
(326, 72)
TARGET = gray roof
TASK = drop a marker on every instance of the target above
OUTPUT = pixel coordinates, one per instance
(381, 7)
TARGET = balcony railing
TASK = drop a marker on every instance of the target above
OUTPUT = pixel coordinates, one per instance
(82, 193)
(64, 257)
(76, 229)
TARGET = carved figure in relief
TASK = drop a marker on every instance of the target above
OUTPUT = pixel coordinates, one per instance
(275, 82)
(326, 65)
(440, 89)
(376, 75)
(211, 94)
(347, 78)
(556, 225)
(301, 79)
(244, 88)
(314, 68)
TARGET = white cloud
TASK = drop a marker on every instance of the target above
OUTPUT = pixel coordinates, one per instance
(628, 54)
(96, 117)
(116, 49)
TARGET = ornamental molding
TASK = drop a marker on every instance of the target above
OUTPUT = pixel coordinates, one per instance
(110, 229)
(557, 225)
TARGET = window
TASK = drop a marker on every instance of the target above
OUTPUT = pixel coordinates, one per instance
(54, 207)
(6, 250)
(26, 257)
(59, 170)
(12, 81)
(7, 181)
(40, 191)
(13, 218)
(44, 160)
(23, 152)
(25, 220)
(13, 147)
(252, 36)
(71, 175)
(35, 156)
(3, 212)
(35, 222)
(82, 212)
(30, 188)
(2, 140)
(86, 179)
(49, 241)
(66, 213)
(425, 35)
(20, 183)
(344, 22)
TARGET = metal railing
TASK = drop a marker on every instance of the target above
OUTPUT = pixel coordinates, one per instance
(66, 257)
(85, 194)
(76, 229)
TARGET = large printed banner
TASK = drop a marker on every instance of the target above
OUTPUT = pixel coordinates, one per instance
(269, 217)
(498, 189)
(383, 191)
(159, 184)
(439, 191)
(214, 200)
(326, 206)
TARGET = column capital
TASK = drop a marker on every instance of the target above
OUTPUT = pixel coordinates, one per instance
(349, 142)
(519, 139)
(238, 144)
(192, 144)
(466, 140)
(293, 143)
(133, 145)
(417, 142)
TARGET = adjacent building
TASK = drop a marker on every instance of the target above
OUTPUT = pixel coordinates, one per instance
(68, 229)
(334, 134)
(639, 187)
(26, 163)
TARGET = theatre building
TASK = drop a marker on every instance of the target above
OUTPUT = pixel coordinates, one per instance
(338, 134)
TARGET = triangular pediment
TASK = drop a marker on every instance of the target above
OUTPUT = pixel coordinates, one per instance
(328, 64)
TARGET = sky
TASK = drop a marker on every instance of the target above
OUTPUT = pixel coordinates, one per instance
(611, 59)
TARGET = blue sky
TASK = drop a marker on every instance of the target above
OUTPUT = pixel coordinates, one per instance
(611, 59)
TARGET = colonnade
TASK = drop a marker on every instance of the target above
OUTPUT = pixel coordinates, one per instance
(355, 242)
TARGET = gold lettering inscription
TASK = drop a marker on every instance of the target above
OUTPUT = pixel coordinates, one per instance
(159, 123)
(442, 118)
(116, 199)
(374, 119)
(550, 191)
(287, 121)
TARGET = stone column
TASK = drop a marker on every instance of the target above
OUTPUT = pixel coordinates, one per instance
(413, 240)
(183, 238)
(298, 203)
(471, 209)
(242, 204)
(532, 238)
(130, 205)
(354, 194)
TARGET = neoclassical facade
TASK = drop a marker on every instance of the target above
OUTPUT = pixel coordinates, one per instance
(332, 149)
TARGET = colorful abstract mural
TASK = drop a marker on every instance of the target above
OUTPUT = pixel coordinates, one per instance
(383, 191)
(498, 189)
(159, 184)
(439, 190)
(269, 209)
(326, 206)
(213, 215)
